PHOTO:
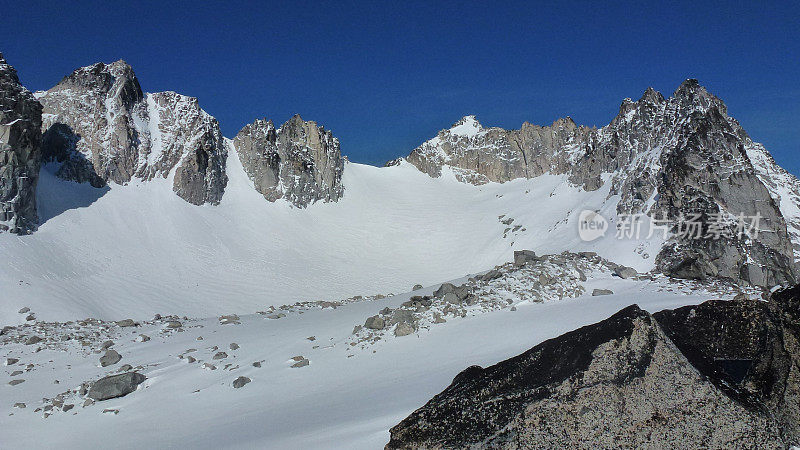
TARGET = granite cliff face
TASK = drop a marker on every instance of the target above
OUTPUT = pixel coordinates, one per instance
(20, 153)
(100, 127)
(721, 374)
(666, 158)
(300, 161)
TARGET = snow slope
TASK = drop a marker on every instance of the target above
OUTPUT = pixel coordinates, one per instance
(347, 397)
(136, 250)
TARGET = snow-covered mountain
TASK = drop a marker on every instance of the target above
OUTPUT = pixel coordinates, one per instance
(666, 158)
(286, 297)
(114, 241)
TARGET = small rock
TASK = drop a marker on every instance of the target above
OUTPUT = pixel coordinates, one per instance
(125, 368)
(312, 338)
(302, 363)
(11, 361)
(240, 382)
(625, 272)
(257, 364)
(174, 324)
(451, 298)
(33, 340)
(126, 323)
(110, 358)
(30, 317)
(142, 338)
(107, 344)
(24, 310)
(403, 329)
(209, 366)
(190, 359)
(234, 346)
(20, 405)
(88, 402)
(416, 287)
(523, 256)
(16, 382)
(598, 292)
(375, 323)
(220, 355)
(67, 407)
(16, 372)
(232, 319)
(112, 411)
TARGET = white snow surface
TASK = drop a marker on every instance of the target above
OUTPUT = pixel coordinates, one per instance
(136, 250)
(347, 397)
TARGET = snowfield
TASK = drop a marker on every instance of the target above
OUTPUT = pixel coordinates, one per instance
(137, 250)
(348, 396)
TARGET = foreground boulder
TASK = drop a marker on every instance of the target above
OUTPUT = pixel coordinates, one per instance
(115, 386)
(20, 153)
(719, 375)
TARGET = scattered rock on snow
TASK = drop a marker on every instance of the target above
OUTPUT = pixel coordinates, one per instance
(416, 287)
(24, 310)
(110, 358)
(220, 355)
(233, 346)
(126, 323)
(16, 382)
(598, 292)
(240, 382)
(33, 340)
(11, 361)
(625, 272)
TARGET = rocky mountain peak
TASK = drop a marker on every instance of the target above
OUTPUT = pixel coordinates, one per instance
(102, 128)
(466, 126)
(651, 96)
(20, 153)
(300, 161)
(669, 158)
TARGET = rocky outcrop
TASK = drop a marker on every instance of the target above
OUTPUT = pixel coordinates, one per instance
(721, 374)
(300, 161)
(20, 153)
(100, 127)
(669, 159)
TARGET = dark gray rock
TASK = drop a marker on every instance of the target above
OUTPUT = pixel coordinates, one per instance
(115, 386)
(403, 329)
(20, 153)
(31, 340)
(523, 256)
(240, 382)
(375, 323)
(110, 358)
(720, 374)
(625, 272)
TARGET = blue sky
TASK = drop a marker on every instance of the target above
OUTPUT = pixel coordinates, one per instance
(385, 76)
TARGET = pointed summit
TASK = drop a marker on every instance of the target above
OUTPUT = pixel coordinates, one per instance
(651, 96)
(467, 126)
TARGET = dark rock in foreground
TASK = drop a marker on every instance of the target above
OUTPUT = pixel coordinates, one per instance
(115, 386)
(719, 375)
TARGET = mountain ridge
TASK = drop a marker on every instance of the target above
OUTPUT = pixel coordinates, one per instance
(659, 157)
